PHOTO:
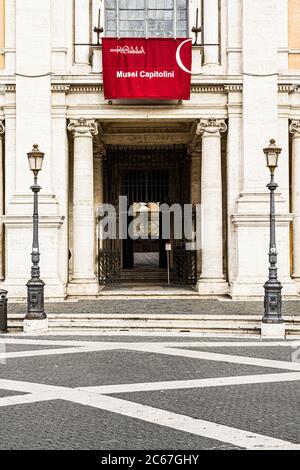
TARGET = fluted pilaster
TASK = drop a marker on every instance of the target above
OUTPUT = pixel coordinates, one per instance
(295, 131)
(2, 132)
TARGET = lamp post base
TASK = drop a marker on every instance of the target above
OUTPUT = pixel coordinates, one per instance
(35, 326)
(272, 330)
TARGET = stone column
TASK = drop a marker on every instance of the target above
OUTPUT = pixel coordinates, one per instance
(83, 279)
(2, 131)
(212, 277)
(295, 130)
(211, 31)
(82, 32)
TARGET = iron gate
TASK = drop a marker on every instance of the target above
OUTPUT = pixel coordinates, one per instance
(167, 174)
(185, 265)
(185, 258)
(109, 267)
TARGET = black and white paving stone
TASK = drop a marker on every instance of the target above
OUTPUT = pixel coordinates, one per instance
(127, 391)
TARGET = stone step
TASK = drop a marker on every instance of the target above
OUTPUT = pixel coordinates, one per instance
(236, 324)
(138, 275)
(154, 279)
(144, 276)
(133, 290)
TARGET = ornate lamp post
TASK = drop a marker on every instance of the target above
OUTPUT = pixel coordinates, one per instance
(35, 286)
(272, 323)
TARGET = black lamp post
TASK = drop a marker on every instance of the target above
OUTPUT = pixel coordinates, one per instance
(272, 286)
(35, 286)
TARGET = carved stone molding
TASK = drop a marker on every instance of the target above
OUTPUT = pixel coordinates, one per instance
(211, 126)
(60, 88)
(207, 89)
(295, 128)
(233, 88)
(195, 89)
(287, 88)
(85, 88)
(7, 88)
(83, 126)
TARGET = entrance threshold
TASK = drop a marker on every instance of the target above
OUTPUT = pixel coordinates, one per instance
(159, 291)
(144, 276)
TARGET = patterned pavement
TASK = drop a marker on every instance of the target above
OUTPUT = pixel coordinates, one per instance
(222, 306)
(166, 391)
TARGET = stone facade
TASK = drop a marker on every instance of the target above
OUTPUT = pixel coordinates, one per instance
(243, 95)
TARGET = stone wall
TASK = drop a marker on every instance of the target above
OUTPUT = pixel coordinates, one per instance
(2, 32)
(294, 33)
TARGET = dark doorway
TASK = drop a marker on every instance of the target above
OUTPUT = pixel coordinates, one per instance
(148, 177)
(145, 190)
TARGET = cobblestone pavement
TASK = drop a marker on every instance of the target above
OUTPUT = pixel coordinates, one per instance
(160, 306)
(166, 392)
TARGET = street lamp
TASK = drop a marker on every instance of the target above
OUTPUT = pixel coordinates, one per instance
(272, 322)
(35, 286)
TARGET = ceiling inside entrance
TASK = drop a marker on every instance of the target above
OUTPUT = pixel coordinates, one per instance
(147, 133)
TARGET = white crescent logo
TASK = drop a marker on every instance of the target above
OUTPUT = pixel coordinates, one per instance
(179, 61)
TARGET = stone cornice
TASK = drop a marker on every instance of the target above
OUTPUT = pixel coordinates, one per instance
(233, 88)
(8, 88)
(260, 219)
(61, 88)
(94, 88)
(207, 89)
(288, 88)
(195, 88)
(26, 221)
(84, 88)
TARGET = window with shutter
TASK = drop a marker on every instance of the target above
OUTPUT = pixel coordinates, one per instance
(146, 18)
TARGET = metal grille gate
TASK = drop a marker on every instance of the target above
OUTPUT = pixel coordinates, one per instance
(146, 174)
(147, 185)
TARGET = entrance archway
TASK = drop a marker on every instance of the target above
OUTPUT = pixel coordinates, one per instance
(148, 176)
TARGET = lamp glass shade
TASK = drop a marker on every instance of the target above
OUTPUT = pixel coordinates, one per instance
(35, 159)
(272, 153)
(272, 159)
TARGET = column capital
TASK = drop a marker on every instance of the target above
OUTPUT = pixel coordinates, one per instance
(211, 126)
(2, 129)
(295, 127)
(83, 126)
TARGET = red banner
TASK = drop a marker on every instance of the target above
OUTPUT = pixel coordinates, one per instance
(147, 68)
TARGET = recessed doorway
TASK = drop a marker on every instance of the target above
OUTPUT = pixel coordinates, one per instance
(147, 177)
